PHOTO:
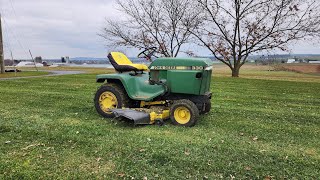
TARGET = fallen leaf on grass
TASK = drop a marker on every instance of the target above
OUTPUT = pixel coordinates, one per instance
(33, 145)
(267, 178)
(142, 150)
(187, 153)
(188, 176)
(232, 177)
(48, 148)
(247, 168)
(121, 175)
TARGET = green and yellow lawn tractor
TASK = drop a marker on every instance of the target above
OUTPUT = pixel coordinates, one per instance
(171, 88)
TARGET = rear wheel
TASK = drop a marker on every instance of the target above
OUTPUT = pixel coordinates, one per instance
(108, 97)
(184, 113)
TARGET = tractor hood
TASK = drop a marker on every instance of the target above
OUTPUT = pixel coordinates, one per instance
(183, 75)
(180, 62)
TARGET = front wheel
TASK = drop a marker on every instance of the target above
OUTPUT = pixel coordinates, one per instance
(108, 97)
(184, 113)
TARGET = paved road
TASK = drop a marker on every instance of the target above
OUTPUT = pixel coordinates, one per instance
(52, 73)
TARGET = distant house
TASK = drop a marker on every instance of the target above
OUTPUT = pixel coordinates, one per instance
(311, 61)
(290, 61)
(314, 61)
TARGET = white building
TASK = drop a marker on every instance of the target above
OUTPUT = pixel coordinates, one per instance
(29, 64)
(290, 61)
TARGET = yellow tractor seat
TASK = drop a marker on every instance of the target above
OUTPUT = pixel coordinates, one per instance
(122, 63)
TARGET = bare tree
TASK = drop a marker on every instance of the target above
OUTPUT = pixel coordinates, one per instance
(165, 24)
(234, 29)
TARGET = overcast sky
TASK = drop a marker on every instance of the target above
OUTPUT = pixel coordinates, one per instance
(55, 28)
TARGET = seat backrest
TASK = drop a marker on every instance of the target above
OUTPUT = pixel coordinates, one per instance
(119, 58)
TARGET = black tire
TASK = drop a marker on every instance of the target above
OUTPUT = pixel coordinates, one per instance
(207, 107)
(189, 110)
(122, 99)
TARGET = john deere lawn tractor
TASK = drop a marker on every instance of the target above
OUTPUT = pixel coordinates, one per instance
(170, 88)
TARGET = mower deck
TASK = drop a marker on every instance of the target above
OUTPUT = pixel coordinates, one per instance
(142, 116)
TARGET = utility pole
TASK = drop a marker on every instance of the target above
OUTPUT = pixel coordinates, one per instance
(1, 50)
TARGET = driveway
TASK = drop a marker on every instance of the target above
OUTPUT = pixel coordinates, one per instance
(52, 73)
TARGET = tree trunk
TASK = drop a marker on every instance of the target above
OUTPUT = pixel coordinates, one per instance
(235, 71)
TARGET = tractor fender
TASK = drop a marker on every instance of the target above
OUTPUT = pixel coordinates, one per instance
(137, 87)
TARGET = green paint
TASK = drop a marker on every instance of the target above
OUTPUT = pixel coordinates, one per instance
(204, 62)
(137, 87)
(183, 76)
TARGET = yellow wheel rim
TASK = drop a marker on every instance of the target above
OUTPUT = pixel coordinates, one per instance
(108, 101)
(182, 115)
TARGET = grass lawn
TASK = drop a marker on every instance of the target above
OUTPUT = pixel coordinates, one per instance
(257, 129)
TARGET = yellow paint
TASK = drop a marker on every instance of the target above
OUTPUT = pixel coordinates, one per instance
(144, 103)
(140, 67)
(159, 116)
(108, 101)
(166, 114)
(182, 115)
(122, 59)
(181, 68)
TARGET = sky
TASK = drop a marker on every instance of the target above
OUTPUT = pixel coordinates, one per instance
(56, 28)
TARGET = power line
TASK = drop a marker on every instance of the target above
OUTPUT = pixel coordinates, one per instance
(15, 14)
(14, 11)
(13, 34)
(7, 39)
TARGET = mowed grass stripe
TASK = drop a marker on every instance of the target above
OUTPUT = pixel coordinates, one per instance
(253, 131)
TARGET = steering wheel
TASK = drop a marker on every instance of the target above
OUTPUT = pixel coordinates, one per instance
(148, 53)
